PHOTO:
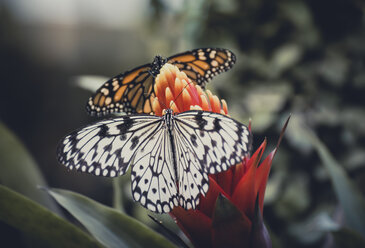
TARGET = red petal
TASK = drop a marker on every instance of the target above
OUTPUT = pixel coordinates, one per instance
(205, 103)
(256, 157)
(207, 202)
(178, 88)
(264, 169)
(262, 175)
(241, 169)
(216, 104)
(230, 227)
(244, 195)
(193, 93)
(224, 179)
(169, 96)
(195, 225)
(260, 237)
(225, 107)
(187, 100)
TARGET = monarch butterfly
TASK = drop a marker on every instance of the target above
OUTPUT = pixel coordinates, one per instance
(133, 91)
(170, 156)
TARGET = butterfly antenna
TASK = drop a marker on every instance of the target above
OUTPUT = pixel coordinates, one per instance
(151, 74)
(148, 95)
(180, 93)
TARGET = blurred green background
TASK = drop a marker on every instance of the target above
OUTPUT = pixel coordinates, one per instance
(301, 57)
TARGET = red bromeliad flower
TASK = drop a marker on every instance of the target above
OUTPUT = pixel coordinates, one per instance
(174, 90)
(230, 215)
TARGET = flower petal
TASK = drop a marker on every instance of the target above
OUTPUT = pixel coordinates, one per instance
(195, 225)
(262, 175)
(244, 195)
(264, 169)
(208, 201)
(175, 90)
(178, 89)
(260, 237)
(238, 171)
(193, 92)
(241, 169)
(231, 228)
(224, 106)
(204, 103)
(224, 179)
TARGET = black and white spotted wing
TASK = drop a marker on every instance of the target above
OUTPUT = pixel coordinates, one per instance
(170, 156)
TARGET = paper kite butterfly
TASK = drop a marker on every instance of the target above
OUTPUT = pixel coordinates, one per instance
(170, 156)
(133, 91)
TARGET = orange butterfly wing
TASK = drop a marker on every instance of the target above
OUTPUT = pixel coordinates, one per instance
(129, 92)
(133, 91)
(202, 64)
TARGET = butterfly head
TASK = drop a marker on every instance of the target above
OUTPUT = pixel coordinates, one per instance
(168, 111)
(168, 116)
(156, 65)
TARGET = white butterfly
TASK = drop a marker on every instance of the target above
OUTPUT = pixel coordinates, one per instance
(171, 155)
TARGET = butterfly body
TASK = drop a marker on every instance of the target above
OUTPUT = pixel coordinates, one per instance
(156, 65)
(133, 91)
(168, 117)
(170, 156)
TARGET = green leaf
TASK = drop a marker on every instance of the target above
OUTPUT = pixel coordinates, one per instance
(346, 238)
(349, 196)
(117, 194)
(107, 225)
(19, 171)
(45, 227)
(169, 233)
(313, 228)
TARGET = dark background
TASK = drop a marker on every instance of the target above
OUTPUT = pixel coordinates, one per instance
(300, 57)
